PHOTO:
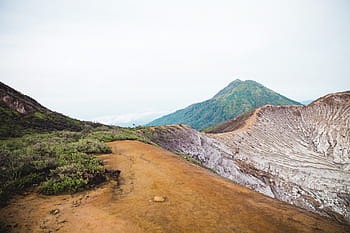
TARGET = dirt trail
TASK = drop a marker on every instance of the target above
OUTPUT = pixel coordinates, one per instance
(195, 201)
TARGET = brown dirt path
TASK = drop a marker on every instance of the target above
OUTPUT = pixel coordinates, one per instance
(195, 201)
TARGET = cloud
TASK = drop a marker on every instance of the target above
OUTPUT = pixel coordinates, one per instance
(113, 58)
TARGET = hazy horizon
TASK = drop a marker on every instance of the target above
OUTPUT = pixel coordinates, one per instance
(134, 61)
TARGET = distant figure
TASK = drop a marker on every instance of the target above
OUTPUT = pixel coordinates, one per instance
(235, 150)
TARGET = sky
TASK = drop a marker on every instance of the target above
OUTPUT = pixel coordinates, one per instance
(123, 62)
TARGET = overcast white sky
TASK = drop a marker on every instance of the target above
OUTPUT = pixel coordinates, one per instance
(123, 60)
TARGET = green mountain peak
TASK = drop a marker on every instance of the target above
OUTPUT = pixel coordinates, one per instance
(228, 88)
(236, 98)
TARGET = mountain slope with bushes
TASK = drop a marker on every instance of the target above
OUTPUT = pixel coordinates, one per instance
(20, 115)
(235, 99)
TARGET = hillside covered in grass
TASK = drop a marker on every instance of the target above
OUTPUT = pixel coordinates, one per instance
(20, 115)
(237, 98)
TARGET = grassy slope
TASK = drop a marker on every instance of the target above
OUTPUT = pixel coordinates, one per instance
(14, 124)
(20, 115)
(59, 161)
(237, 98)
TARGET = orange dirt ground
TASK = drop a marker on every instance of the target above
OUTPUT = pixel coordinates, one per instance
(196, 200)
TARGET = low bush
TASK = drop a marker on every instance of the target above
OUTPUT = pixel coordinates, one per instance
(89, 146)
(116, 134)
(64, 184)
(3, 228)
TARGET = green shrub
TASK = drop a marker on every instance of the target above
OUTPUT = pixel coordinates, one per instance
(63, 161)
(90, 146)
(3, 228)
(76, 172)
(64, 184)
(118, 133)
(10, 187)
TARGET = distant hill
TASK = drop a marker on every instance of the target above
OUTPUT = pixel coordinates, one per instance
(237, 98)
(20, 114)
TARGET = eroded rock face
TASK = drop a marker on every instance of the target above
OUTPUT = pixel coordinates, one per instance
(210, 152)
(17, 101)
(297, 154)
(16, 105)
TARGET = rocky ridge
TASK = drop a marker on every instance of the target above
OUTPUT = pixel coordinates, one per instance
(298, 154)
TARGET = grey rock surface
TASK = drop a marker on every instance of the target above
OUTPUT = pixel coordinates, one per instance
(297, 154)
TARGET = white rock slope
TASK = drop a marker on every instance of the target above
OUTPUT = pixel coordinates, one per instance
(298, 154)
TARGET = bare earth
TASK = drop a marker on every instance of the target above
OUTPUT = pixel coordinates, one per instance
(196, 200)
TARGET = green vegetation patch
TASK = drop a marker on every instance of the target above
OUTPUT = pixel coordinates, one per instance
(107, 134)
(3, 228)
(60, 161)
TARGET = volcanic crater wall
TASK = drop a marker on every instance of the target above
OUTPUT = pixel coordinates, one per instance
(298, 154)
